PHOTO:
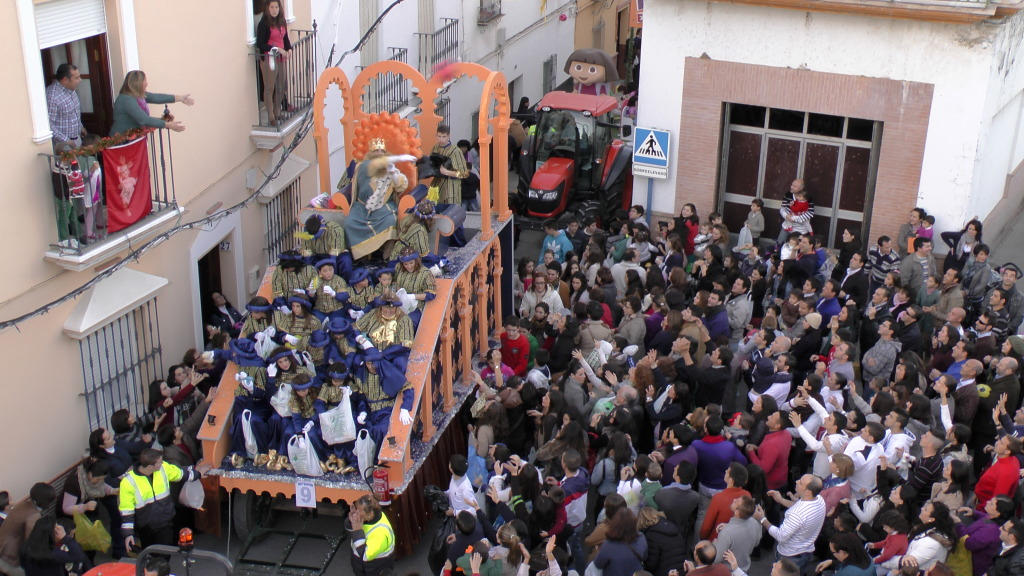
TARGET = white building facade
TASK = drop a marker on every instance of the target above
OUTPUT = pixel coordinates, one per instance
(880, 106)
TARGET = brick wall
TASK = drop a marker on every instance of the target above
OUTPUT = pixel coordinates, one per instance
(902, 106)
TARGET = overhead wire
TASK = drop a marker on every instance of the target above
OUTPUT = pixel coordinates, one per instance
(305, 125)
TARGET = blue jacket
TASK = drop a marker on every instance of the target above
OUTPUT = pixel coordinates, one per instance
(617, 558)
(717, 321)
(559, 244)
(828, 307)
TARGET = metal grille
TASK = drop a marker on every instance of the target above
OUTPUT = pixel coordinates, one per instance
(439, 47)
(390, 91)
(119, 361)
(283, 221)
(442, 109)
(550, 66)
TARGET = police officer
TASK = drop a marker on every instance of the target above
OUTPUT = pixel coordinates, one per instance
(373, 540)
(147, 509)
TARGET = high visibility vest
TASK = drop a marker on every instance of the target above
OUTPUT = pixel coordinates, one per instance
(147, 500)
(379, 539)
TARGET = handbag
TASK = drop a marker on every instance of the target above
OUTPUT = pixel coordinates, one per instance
(303, 457)
(280, 400)
(91, 535)
(192, 495)
(337, 425)
(251, 448)
(366, 451)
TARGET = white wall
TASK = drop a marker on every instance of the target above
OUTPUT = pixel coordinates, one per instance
(958, 60)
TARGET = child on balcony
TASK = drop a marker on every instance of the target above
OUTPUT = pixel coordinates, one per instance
(93, 189)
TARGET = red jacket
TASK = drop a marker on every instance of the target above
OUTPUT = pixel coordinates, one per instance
(773, 457)
(719, 512)
(515, 353)
(1000, 478)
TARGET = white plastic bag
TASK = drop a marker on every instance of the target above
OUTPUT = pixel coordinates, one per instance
(337, 425)
(303, 457)
(251, 448)
(192, 495)
(280, 400)
(365, 451)
(409, 301)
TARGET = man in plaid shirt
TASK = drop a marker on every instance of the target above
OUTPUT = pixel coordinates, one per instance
(64, 107)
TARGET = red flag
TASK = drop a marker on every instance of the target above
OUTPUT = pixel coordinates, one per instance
(126, 173)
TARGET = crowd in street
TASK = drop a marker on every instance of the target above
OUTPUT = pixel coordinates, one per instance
(671, 401)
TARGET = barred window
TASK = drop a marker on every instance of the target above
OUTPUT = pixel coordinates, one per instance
(283, 220)
(549, 71)
(119, 361)
(442, 109)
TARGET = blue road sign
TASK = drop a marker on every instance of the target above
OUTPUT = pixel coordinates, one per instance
(651, 152)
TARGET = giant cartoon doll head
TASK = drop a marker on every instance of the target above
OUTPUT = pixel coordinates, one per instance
(590, 67)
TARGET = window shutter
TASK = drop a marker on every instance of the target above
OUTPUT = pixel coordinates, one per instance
(63, 21)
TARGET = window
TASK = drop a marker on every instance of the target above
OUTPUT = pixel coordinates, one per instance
(442, 109)
(283, 220)
(598, 32)
(550, 68)
(119, 361)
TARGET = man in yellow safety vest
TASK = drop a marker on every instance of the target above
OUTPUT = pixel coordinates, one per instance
(373, 540)
(147, 510)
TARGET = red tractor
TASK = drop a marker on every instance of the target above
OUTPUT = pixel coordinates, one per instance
(577, 157)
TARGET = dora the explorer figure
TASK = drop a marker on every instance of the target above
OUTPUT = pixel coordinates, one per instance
(592, 71)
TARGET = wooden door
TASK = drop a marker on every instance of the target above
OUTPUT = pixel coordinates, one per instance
(95, 92)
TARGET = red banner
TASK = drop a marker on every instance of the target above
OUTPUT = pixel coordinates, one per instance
(127, 183)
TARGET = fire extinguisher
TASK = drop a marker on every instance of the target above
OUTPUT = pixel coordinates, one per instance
(76, 182)
(380, 485)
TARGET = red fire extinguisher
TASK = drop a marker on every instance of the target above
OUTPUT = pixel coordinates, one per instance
(76, 182)
(381, 486)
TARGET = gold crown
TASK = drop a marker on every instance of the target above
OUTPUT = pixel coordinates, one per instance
(377, 144)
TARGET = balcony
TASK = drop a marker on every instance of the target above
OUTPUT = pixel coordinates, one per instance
(946, 11)
(389, 92)
(489, 11)
(301, 74)
(439, 47)
(81, 236)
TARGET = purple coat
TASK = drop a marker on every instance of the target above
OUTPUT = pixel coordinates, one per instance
(716, 453)
(983, 541)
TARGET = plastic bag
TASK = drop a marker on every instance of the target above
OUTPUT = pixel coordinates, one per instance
(92, 536)
(280, 400)
(366, 451)
(251, 448)
(409, 301)
(192, 495)
(439, 545)
(337, 425)
(303, 456)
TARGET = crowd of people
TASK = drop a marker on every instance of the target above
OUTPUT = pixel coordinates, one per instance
(670, 401)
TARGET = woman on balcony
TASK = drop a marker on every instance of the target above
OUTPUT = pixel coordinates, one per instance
(131, 108)
(275, 48)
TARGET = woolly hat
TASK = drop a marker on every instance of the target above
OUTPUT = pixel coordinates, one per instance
(814, 319)
(1017, 343)
(358, 275)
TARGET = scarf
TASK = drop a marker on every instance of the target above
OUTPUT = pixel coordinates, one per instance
(90, 491)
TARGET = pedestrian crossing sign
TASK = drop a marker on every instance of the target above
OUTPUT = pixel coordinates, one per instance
(651, 152)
